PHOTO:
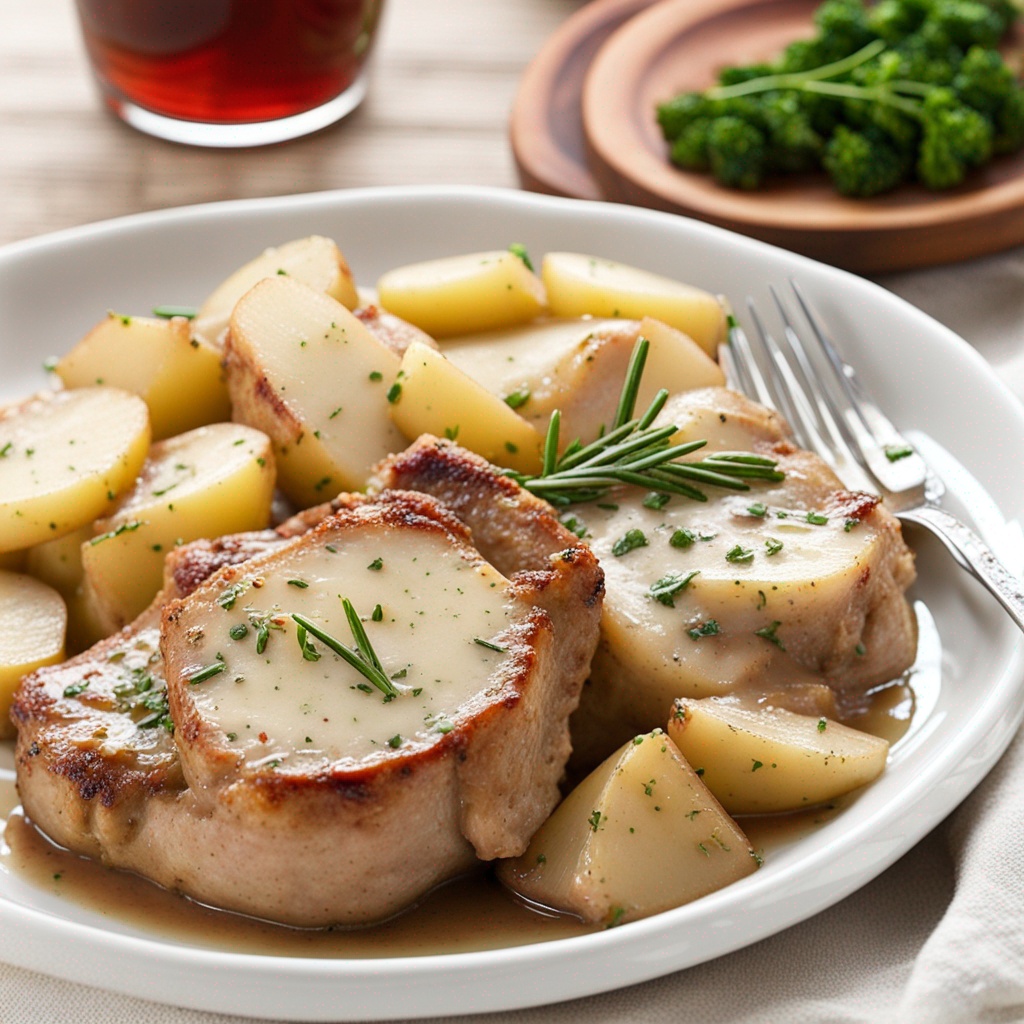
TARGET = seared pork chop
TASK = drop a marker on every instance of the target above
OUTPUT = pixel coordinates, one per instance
(334, 821)
(794, 586)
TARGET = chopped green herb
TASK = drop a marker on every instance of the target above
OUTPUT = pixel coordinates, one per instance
(769, 633)
(451, 432)
(682, 538)
(377, 614)
(301, 584)
(822, 725)
(377, 564)
(630, 541)
(709, 628)
(739, 554)
(669, 586)
(594, 820)
(122, 529)
(656, 500)
(211, 670)
(519, 250)
(772, 546)
(816, 519)
(756, 764)
(394, 392)
(758, 509)
(489, 645)
(518, 398)
(895, 452)
(76, 688)
(395, 742)
(166, 312)
(238, 632)
(376, 375)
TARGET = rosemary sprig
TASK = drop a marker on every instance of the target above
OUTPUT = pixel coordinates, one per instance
(364, 659)
(634, 452)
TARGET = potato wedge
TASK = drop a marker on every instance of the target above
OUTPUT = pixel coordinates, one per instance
(179, 377)
(32, 625)
(762, 760)
(305, 371)
(211, 481)
(479, 291)
(433, 396)
(641, 834)
(64, 458)
(315, 261)
(578, 366)
(58, 563)
(577, 285)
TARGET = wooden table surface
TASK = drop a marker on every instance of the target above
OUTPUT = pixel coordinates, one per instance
(443, 79)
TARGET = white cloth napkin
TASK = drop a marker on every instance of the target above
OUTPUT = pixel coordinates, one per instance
(936, 939)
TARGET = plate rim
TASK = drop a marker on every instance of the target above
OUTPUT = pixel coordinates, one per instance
(501, 969)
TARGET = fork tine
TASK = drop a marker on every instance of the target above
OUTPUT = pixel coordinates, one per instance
(868, 433)
(785, 391)
(744, 367)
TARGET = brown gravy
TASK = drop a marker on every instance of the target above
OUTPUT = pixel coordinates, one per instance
(469, 914)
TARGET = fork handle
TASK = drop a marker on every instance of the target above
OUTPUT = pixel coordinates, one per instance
(974, 555)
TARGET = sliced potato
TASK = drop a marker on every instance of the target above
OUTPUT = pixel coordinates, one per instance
(305, 371)
(58, 563)
(211, 481)
(315, 261)
(433, 396)
(480, 291)
(577, 284)
(761, 760)
(578, 366)
(32, 626)
(639, 835)
(64, 458)
(179, 377)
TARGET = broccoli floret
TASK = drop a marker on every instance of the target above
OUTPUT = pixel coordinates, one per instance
(842, 28)
(963, 23)
(955, 139)
(731, 76)
(690, 149)
(680, 111)
(1009, 123)
(894, 20)
(884, 88)
(795, 145)
(737, 152)
(863, 164)
(983, 80)
(801, 55)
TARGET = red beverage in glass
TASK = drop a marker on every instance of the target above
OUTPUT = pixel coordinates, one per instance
(200, 64)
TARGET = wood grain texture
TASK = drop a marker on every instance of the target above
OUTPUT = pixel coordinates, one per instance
(443, 80)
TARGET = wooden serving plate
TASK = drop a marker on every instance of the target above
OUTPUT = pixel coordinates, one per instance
(546, 126)
(679, 45)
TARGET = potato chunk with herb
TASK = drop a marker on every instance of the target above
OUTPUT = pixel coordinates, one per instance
(761, 760)
(32, 626)
(209, 482)
(433, 396)
(315, 261)
(641, 834)
(309, 374)
(480, 291)
(64, 458)
(178, 377)
(577, 284)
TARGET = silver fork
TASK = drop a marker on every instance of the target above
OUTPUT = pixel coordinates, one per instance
(807, 380)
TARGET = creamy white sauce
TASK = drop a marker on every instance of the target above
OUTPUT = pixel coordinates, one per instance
(703, 638)
(277, 706)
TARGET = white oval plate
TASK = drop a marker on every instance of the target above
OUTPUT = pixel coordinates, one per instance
(52, 289)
